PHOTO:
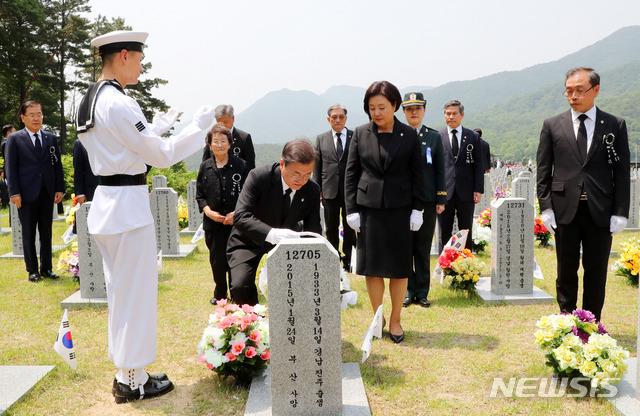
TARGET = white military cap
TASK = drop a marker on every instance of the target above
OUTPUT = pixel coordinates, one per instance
(120, 39)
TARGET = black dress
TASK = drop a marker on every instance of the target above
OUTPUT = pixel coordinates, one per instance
(384, 241)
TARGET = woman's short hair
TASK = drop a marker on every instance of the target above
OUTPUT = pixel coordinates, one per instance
(387, 90)
(219, 128)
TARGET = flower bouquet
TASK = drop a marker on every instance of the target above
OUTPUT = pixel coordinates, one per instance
(542, 234)
(485, 218)
(68, 261)
(576, 345)
(463, 268)
(629, 261)
(481, 237)
(183, 214)
(236, 342)
(500, 192)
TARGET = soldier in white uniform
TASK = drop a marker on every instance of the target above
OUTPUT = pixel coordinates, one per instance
(120, 144)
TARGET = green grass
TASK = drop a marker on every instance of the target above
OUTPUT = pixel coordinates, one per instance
(446, 364)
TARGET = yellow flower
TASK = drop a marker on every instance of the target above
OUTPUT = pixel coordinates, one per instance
(588, 368)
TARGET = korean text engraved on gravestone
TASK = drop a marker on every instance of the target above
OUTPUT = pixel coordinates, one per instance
(304, 323)
(92, 284)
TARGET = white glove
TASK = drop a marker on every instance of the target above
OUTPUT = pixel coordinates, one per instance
(162, 122)
(354, 221)
(203, 117)
(276, 235)
(617, 224)
(549, 220)
(415, 221)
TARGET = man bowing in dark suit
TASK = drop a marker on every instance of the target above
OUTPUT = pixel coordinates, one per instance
(583, 189)
(274, 199)
(333, 152)
(463, 167)
(36, 182)
(241, 145)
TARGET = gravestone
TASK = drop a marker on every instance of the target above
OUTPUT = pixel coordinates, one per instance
(195, 216)
(92, 283)
(634, 205)
(485, 200)
(164, 208)
(304, 327)
(512, 246)
(17, 247)
(523, 187)
(159, 181)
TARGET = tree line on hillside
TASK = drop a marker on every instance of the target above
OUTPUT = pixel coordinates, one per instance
(46, 56)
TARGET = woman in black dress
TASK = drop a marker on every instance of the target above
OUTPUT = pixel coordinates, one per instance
(384, 195)
(220, 180)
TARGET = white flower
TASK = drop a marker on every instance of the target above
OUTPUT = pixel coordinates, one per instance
(260, 309)
(213, 357)
(571, 340)
(239, 336)
(563, 322)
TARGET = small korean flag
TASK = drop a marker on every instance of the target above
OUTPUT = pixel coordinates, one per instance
(64, 343)
(199, 235)
(456, 242)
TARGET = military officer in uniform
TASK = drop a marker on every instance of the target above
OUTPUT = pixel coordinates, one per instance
(119, 142)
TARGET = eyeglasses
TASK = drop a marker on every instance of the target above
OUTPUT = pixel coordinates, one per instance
(219, 143)
(297, 177)
(34, 116)
(338, 117)
(577, 93)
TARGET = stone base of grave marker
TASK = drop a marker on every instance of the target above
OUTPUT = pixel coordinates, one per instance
(186, 232)
(17, 381)
(54, 249)
(538, 296)
(625, 400)
(76, 301)
(183, 251)
(354, 397)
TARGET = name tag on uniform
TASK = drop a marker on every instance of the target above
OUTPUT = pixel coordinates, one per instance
(429, 160)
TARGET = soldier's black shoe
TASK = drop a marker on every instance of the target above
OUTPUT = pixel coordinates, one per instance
(157, 377)
(152, 388)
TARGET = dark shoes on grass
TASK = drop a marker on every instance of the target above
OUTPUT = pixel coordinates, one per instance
(156, 386)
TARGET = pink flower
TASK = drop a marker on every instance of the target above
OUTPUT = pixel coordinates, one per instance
(237, 348)
(254, 317)
(247, 308)
(220, 312)
(250, 352)
(265, 355)
(255, 335)
(221, 302)
(232, 307)
(245, 322)
(201, 359)
(225, 323)
(230, 356)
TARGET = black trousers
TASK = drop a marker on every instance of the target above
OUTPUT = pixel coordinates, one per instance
(420, 280)
(596, 246)
(464, 212)
(333, 210)
(243, 282)
(37, 214)
(216, 241)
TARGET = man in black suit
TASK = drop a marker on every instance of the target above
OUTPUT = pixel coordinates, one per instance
(272, 202)
(242, 145)
(4, 190)
(584, 197)
(84, 181)
(6, 131)
(36, 182)
(486, 152)
(463, 167)
(333, 152)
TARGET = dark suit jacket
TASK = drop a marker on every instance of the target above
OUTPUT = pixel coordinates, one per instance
(399, 183)
(463, 179)
(486, 155)
(242, 147)
(329, 171)
(434, 181)
(561, 175)
(26, 171)
(209, 189)
(84, 181)
(259, 210)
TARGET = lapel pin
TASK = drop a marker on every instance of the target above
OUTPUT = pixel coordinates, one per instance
(401, 134)
(302, 200)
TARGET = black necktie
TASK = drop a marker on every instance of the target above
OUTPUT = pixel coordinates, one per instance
(582, 137)
(286, 203)
(38, 146)
(454, 143)
(339, 148)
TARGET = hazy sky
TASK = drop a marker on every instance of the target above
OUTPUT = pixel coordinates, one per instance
(237, 51)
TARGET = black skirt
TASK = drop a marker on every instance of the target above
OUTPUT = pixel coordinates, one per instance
(384, 243)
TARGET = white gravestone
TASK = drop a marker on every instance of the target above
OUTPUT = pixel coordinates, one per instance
(512, 246)
(195, 216)
(17, 246)
(523, 187)
(485, 199)
(91, 270)
(159, 181)
(304, 326)
(164, 208)
(634, 205)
